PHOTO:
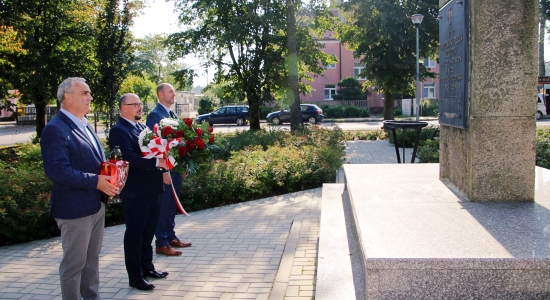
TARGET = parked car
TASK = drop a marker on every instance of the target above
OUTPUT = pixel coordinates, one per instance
(237, 114)
(311, 113)
(541, 109)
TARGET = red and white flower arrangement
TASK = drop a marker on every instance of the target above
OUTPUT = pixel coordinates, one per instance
(185, 144)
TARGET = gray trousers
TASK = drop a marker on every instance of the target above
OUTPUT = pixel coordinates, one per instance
(79, 269)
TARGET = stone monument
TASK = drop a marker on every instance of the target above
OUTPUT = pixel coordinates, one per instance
(488, 81)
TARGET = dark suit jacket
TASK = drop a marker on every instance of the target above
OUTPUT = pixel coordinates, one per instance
(72, 164)
(143, 177)
(154, 117)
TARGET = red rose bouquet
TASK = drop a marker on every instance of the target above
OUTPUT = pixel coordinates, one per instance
(184, 144)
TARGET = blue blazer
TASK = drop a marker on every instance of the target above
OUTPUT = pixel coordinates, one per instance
(72, 163)
(143, 177)
(154, 117)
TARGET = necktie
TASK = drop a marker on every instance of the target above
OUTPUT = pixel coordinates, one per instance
(138, 127)
(173, 115)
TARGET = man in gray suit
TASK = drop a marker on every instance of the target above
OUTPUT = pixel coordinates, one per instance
(72, 155)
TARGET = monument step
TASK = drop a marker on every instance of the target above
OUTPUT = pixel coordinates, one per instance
(339, 264)
(421, 240)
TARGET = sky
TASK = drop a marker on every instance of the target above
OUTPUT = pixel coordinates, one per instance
(159, 17)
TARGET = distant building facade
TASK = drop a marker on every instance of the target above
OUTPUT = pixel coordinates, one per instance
(325, 87)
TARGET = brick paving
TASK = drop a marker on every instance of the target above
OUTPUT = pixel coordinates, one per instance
(262, 249)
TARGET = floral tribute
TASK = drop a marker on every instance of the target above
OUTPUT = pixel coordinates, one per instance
(185, 144)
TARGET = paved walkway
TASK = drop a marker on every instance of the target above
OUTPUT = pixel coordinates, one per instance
(263, 249)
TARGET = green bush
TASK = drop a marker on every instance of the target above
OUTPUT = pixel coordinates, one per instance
(265, 110)
(206, 105)
(344, 111)
(398, 112)
(542, 147)
(253, 165)
(301, 161)
(24, 204)
(428, 151)
(410, 135)
(369, 135)
(430, 107)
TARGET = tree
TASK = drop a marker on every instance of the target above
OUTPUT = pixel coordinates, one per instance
(55, 37)
(350, 89)
(10, 44)
(381, 33)
(246, 39)
(152, 61)
(292, 62)
(112, 53)
(143, 87)
(544, 11)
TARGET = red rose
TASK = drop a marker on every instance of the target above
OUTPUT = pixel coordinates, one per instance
(190, 145)
(166, 131)
(211, 140)
(200, 143)
(188, 122)
(211, 129)
(182, 151)
(198, 131)
(180, 133)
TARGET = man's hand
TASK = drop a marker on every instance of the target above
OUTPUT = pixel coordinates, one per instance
(166, 178)
(162, 164)
(104, 185)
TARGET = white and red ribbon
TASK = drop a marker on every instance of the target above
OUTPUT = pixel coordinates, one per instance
(178, 203)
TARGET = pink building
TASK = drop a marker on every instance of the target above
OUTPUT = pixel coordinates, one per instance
(5, 114)
(324, 88)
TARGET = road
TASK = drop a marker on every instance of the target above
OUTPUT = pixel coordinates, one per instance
(13, 134)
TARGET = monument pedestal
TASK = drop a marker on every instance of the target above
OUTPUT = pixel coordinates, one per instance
(420, 240)
(488, 81)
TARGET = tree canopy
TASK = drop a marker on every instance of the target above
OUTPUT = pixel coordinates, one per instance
(55, 37)
(350, 89)
(246, 40)
(381, 33)
(54, 40)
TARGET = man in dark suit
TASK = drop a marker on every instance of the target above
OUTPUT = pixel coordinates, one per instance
(72, 155)
(165, 234)
(140, 195)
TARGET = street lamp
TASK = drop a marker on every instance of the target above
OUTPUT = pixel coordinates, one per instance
(417, 19)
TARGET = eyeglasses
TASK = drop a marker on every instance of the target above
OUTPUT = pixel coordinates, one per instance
(136, 105)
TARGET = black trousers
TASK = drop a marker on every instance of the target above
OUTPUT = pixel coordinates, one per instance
(141, 217)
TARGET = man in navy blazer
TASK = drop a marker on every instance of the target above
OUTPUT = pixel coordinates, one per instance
(72, 155)
(140, 195)
(165, 234)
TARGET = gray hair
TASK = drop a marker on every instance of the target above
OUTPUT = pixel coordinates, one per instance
(67, 87)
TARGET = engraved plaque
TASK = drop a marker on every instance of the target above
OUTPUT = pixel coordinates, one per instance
(453, 64)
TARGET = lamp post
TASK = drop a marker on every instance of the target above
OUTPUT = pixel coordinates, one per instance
(417, 19)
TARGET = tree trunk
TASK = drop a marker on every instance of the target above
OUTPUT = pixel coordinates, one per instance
(254, 108)
(40, 107)
(542, 67)
(292, 60)
(388, 106)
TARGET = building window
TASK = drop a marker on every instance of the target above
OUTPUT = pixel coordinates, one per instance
(357, 69)
(428, 63)
(429, 90)
(331, 66)
(330, 91)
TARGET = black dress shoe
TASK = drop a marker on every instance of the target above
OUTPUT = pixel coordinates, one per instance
(142, 285)
(154, 274)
